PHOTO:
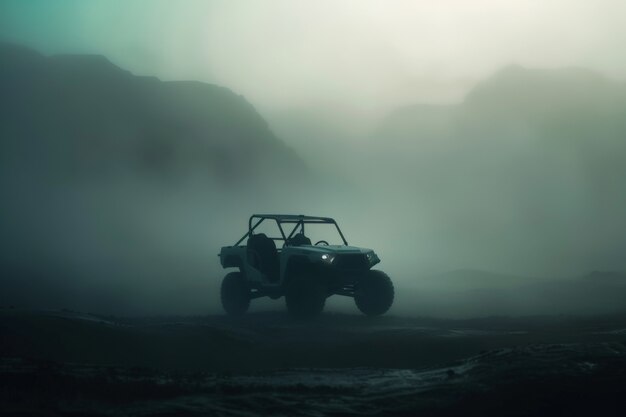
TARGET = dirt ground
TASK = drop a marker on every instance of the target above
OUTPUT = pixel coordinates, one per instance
(67, 363)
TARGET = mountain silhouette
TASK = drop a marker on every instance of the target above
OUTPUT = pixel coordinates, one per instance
(530, 155)
(110, 180)
(82, 115)
(552, 102)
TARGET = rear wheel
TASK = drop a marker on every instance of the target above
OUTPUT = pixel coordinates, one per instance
(235, 294)
(305, 297)
(373, 293)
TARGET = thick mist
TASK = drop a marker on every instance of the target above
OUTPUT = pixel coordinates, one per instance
(485, 188)
(363, 55)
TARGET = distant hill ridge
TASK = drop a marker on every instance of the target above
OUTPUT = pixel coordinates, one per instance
(520, 92)
(86, 113)
(530, 164)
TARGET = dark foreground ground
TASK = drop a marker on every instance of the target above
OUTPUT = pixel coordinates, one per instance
(64, 363)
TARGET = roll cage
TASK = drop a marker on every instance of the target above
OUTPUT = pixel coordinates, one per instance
(298, 220)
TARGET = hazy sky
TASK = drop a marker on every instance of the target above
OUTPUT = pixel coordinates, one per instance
(364, 53)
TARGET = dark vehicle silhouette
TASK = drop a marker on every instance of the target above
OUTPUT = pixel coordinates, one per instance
(305, 273)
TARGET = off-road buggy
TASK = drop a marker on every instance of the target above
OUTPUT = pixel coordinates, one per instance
(305, 273)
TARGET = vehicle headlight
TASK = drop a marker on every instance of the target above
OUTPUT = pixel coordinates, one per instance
(372, 258)
(328, 257)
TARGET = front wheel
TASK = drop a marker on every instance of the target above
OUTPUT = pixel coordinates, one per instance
(373, 293)
(235, 294)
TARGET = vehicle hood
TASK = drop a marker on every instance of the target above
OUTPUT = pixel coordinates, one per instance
(334, 249)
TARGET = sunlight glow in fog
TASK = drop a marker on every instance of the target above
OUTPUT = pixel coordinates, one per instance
(370, 54)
